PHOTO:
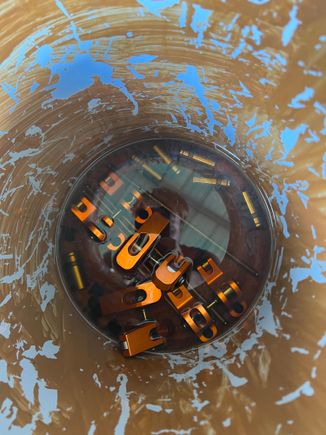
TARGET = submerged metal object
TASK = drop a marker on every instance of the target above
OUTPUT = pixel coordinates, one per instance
(183, 244)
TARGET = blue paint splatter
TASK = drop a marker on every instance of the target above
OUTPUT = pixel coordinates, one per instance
(304, 96)
(256, 34)
(259, 2)
(323, 167)
(183, 14)
(264, 128)
(290, 137)
(93, 104)
(5, 329)
(313, 137)
(79, 74)
(48, 399)
(34, 86)
(191, 79)
(28, 43)
(230, 131)
(156, 6)
(305, 389)
(226, 422)
(291, 26)
(319, 108)
(12, 91)
(28, 379)
(142, 58)
(92, 428)
(316, 270)
(72, 24)
(200, 23)
(281, 195)
(139, 59)
(44, 55)
(300, 350)
(135, 73)
(49, 350)
(270, 59)
(322, 341)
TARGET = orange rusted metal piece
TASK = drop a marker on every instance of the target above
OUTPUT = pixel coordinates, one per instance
(112, 183)
(140, 339)
(84, 209)
(141, 242)
(210, 271)
(168, 273)
(199, 320)
(127, 299)
(180, 298)
(231, 299)
(149, 212)
(96, 233)
(108, 221)
(113, 247)
(193, 313)
(131, 202)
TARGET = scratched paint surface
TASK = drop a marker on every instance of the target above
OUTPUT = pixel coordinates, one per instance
(77, 77)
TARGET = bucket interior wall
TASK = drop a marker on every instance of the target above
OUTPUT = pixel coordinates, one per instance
(79, 77)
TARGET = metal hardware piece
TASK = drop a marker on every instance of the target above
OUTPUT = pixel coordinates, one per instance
(230, 296)
(140, 339)
(197, 158)
(130, 298)
(108, 221)
(96, 233)
(84, 209)
(113, 247)
(166, 159)
(210, 271)
(148, 168)
(135, 198)
(75, 272)
(112, 183)
(193, 313)
(180, 297)
(200, 321)
(148, 234)
(149, 212)
(213, 181)
(252, 209)
(168, 273)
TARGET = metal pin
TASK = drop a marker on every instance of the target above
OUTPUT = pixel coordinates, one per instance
(147, 168)
(144, 314)
(116, 214)
(252, 209)
(214, 181)
(198, 158)
(75, 271)
(212, 304)
(167, 159)
(218, 315)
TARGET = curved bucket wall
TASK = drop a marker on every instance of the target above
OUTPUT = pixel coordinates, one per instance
(78, 77)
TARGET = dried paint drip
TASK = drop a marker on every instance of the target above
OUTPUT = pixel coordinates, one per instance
(164, 245)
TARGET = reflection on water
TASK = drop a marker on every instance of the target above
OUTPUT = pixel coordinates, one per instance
(77, 78)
